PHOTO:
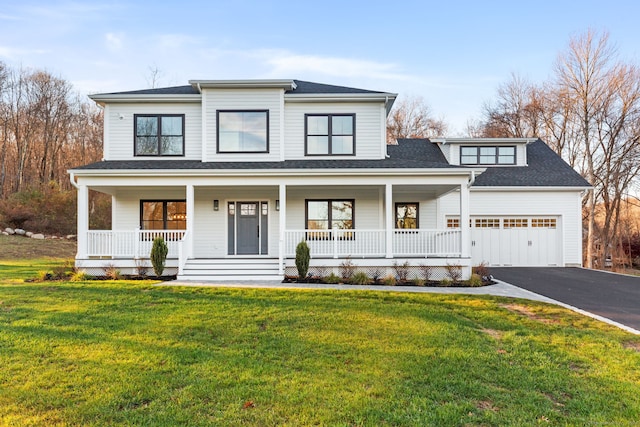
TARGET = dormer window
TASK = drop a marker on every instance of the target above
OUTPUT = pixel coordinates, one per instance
(487, 155)
(159, 134)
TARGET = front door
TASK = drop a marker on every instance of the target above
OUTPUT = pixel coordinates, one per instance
(248, 228)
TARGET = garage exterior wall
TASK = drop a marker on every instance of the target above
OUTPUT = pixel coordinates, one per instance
(564, 204)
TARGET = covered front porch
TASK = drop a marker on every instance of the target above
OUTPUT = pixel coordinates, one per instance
(239, 223)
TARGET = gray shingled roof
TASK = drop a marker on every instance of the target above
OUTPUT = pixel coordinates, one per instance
(302, 87)
(545, 169)
(173, 90)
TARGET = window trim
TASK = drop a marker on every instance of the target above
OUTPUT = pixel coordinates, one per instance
(330, 135)
(417, 215)
(159, 136)
(218, 151)
(164, 212)
(497, 155)
(329, 218)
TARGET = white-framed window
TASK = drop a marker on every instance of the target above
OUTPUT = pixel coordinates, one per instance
(515, 223)
(487, 223)
(453, 222)
(242, 131)
(543, 222)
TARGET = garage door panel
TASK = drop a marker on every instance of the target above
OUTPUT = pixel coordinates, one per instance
(522, 241)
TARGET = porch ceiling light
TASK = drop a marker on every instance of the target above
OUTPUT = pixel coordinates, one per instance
(277, 204)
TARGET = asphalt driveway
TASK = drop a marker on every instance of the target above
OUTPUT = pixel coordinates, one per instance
(614, 296)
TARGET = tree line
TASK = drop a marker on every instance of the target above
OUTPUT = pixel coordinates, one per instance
(45, 129)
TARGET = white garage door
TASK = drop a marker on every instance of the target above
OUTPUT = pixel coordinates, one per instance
(516, 241)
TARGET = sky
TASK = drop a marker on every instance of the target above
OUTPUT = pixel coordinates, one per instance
(453, 54)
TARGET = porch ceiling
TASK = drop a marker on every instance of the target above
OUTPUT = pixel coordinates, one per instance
(426, 190)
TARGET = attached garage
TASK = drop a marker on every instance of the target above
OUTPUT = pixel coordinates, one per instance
(516, 241)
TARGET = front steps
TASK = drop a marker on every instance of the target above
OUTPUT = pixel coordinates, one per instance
(230, 269)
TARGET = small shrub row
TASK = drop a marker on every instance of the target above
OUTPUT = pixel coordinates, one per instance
(360, 278)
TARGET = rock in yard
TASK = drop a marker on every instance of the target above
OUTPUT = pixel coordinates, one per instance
(37, 236)
(28, 234)
(5, 233)
(9, 230)
(71, 237)
(20, 231)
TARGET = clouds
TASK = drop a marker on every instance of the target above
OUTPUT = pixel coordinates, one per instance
(114, 41)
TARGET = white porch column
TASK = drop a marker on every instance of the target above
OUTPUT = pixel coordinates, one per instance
(465, 230)
(388, 219)
(191, 209)
(83, 221)
(282, 220)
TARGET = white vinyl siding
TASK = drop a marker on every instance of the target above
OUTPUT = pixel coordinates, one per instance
(121, 133)
(240, 100)
(368, 128)
(365, 212)
(127, 204)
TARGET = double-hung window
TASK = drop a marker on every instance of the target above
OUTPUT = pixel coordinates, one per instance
(487, 155)
(242, 131)
(163, 215)
(325, 215)
(330, 134)
(159, 134)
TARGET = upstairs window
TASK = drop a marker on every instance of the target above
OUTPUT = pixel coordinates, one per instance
(329, 134)
(243, 131)
(487, 155)
(159, 134)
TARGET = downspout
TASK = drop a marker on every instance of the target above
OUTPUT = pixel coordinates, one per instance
(72, 178)
(472, 180)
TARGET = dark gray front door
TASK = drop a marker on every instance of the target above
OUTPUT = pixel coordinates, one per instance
(248, 228)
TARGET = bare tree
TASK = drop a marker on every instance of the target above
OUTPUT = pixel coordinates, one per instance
(154, 76)
(589, 113)
(412, 118)
(516, 112)
(44, 130)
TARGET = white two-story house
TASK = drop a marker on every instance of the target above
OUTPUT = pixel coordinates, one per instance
(235, 173)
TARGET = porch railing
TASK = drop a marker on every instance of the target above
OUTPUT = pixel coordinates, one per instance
(130, 243)
(419, 242)
(337, 243)
(372, 243)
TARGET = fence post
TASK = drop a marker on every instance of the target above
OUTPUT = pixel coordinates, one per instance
(136, 243)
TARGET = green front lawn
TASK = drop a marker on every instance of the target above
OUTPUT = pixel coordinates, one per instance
(130, 353)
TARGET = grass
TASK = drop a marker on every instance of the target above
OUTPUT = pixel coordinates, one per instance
(131, 353)
(20, 247)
